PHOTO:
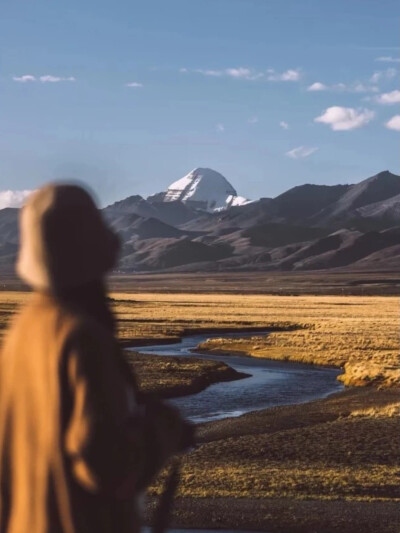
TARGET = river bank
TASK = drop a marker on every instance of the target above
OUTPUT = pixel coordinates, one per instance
(325, 466)
(362, 363)
(171, 377)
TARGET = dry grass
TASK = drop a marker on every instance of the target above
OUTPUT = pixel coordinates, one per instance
(342, 448)
(345, 447)
(360, 333)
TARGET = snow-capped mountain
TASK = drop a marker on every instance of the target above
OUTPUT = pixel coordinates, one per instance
(201, 224)
(206, 189)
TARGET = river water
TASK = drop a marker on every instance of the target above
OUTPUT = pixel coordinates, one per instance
(271, 383)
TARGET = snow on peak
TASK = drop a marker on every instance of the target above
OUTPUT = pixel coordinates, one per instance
(205, 189)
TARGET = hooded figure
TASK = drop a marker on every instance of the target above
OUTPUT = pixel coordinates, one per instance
(76, 445)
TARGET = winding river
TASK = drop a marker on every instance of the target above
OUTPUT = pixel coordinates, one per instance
(271, 383)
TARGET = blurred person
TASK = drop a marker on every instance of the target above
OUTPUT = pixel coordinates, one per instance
(77, 442)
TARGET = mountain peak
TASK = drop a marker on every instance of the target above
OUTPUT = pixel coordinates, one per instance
(204, 188)
(382, 176)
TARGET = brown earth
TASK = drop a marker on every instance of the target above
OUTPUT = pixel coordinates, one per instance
(338, 281)
(326, 466)
(168, 377)
(330, 465)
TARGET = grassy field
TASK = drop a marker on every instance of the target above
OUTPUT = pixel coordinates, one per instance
(340, 455)
(358, 333)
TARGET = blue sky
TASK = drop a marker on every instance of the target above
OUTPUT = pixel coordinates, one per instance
(131, 95)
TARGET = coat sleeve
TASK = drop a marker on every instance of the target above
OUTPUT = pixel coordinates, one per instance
(105, 439)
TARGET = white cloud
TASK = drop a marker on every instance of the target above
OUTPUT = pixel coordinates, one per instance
(362, 88)
(13, 198)
(388, 59)
(389, 98)
(253, 120)
(342, 87)
(209, 72)
(48, 78)
(25, 78)
(317, 86)
(220, 127)
(134, 84)
(357, 86)
(243, 73)
(288, 75)
(284, 125)
(247, 73)
(238, 73)
(376, 76)
(301, 152)
(393, 123)
(345, 118)
(381, 75)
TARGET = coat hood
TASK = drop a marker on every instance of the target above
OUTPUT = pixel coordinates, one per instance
(64, 242)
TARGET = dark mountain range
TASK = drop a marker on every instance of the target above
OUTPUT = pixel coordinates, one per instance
(174, 212)
(304, 201)
(309, 227)
(9, 226)
(377, 189)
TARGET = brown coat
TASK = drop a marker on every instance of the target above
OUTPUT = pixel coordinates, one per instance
(65, 450)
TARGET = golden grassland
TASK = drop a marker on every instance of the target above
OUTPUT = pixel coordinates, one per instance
(344, 448)
(359, 333)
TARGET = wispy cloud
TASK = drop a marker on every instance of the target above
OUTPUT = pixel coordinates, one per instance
(301, 152)
(393, 123)
(317, 86)
(383, 75)
(247, 73)
(220, 127)
(243, 73)
(345, 118)
(363, 88)
(288, 75)
(13, 198)
(356, 87)
(134, 84)
(25, 78)
(47, 78)
(389, 98)
(239, 73)
(284, 125)
(388, 59)
(253, 120)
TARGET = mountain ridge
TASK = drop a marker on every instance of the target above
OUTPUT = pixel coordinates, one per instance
(198, 228)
